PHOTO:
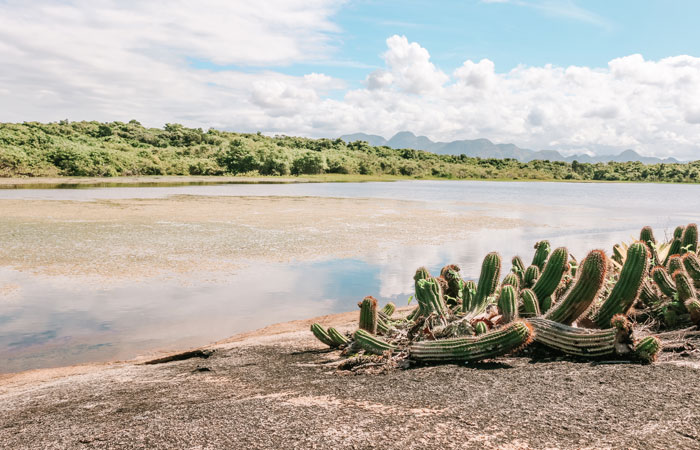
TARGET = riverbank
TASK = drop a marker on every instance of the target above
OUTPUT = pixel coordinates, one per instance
(278, 388)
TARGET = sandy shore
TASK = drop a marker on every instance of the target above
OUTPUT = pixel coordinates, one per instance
(137, 238)
(277, 388)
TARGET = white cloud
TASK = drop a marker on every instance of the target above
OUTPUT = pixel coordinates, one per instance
(108, 60)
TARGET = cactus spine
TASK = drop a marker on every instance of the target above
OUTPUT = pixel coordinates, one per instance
(591, 276)
(574, 341)
(508, 303)
(663, 281)
(368, 314)
(647, 349)
(337, 338)
(553, 272)
(372, 344)
(541, 252)
(518, 267)
(322, 335)
(532, 273)
(627, 288)
(487, 345)
(488, 282)
(689, 238)
(531, 306)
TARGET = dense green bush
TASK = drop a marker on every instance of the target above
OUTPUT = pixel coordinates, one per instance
(121, 149)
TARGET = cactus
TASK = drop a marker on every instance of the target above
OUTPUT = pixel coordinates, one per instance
(691, 262)
(663, 281)
(673, 249)
(508, 303)
(518, 267)
(488, 282)
(647, 236)
(383, 326)
(683, 285)
(480, 327)
(448, 268)
(689, 238)
(648, 295)
(541, 252)
(627, 288)
(531, 306)
(553, 272)
(368, 314)
(421, 274)
(430, 300)
(488, 345)
(678, 232)
(468, 295)
(675, 262)
(372, 344)
(388, 310)
(546, 304)
(618, 255)
(322, 335)
(591, 276)
(576, 341)
(511, 280)
(532, 273)
(455, 285)
(692, 305)
(337, 338)
(647, 349)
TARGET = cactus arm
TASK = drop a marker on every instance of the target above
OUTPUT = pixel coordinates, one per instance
(574, 341)
(480, 328)
(647, 349)
(372, 344)
(430, 299)
(518, 267)
(689, 238)
(322, 335)
(673, 249)
(541, 252)
(368, 314)
(388, 310)
(468, 295)
(553, 272)
(508, 303)
(531, 306)
(511, 280)
(488, 345)
(590, 279)
(337, 338)
(691, 262)
(488, 282)
(664, 281)
(532, 273)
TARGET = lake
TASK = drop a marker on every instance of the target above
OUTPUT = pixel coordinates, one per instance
(52, 318)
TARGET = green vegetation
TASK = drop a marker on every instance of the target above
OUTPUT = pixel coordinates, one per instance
(128, 149)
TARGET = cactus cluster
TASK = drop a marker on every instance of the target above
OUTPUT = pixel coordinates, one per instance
(586, 310)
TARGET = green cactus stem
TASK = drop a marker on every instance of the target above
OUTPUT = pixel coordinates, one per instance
(628, 285)
(546, 304)
(647, 349)
(678, 232)
(368, 314)
(388, 310)
(590, 279)
(579, 341)
(488, 282)
(675, 262)
(684, 286)
(447, 268)
(691, 262)
(542, 249)
(383, 326)
(468, 295)
(532, 273)
(618, 255)
(511, 280)
(338, 339)
(421, 274)
(689, 239)
(322, 335)
(552, 274)
(530, 306)
(508, 303)
(664, 281)
(430, 300)
(648, 295)
(463, 349)
(673, 249)
(480, 328)
(518, 268)
(647, 235)
(372, 344)
(455, 285)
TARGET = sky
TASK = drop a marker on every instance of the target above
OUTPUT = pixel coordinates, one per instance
(575, 76)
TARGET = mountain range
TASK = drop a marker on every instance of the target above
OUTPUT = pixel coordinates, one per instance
(483, 148)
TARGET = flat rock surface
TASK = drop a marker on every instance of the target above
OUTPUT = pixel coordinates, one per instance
(277, 388)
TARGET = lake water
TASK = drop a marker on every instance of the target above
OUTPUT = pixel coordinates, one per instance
(54, 321)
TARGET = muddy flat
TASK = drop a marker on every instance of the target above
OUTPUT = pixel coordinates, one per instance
(278, 388)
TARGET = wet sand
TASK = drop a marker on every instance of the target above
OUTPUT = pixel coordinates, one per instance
(133, 239)
(277, 388)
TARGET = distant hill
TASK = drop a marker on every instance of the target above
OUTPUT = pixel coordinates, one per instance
(483, 148)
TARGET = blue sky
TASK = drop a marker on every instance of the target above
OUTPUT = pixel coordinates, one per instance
(575, 76)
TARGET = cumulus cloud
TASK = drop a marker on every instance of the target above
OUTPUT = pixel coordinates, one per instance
(212, 65)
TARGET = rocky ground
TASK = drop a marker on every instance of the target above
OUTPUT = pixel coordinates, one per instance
(278, 388)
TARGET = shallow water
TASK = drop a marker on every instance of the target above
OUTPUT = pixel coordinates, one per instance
(59, 320)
